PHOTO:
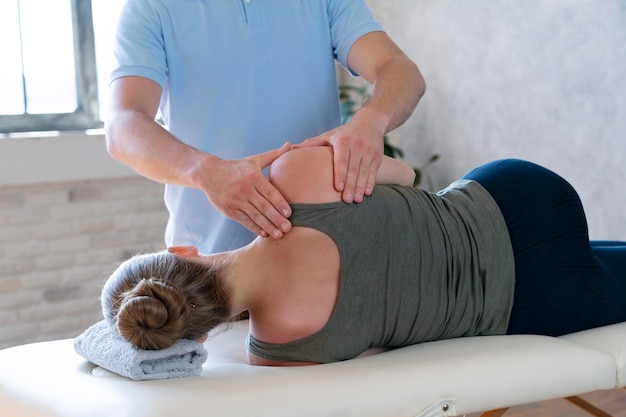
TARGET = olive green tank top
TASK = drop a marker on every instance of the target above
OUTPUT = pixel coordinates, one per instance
(415, 267)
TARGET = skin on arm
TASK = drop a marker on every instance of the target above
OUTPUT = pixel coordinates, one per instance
(237, 188)
(358, 145)
(392, 171)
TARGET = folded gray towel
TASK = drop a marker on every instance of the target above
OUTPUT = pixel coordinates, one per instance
(102, 346)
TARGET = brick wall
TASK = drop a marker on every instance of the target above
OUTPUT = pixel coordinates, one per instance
(58, 242)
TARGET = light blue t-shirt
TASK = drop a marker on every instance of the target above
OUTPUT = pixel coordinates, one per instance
(239, 77)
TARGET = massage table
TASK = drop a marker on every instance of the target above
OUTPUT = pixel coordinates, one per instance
(443, 378)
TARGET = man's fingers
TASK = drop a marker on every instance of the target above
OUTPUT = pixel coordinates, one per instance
(273, 205)
(360, 177)
(259, 207)
(244, 194)
(371, 179)
(257, 222)
(266, 212)
(361, 181)
(320, 140)
(351, 175)
(242, 217)
(365, 181)
(341, 160)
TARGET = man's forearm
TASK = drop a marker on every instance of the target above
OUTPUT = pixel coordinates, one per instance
(139, 142)
(397, 90)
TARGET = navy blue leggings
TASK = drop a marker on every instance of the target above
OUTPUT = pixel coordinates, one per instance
(563, 282)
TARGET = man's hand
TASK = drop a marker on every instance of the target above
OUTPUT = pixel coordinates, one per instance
(358, 145)
(239, 189)
(358, 153)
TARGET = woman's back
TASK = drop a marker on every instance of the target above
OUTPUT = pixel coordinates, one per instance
(409, 266)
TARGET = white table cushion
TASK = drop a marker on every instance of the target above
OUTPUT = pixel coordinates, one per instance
(609, 339)
(431, 379)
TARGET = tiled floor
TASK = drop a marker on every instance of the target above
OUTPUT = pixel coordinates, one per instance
(611, 402)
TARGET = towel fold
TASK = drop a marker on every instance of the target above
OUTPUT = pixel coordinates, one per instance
(102, 346)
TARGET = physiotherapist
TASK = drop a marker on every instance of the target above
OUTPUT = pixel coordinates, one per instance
(234, 78)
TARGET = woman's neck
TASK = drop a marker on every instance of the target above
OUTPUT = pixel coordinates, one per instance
(244, 271)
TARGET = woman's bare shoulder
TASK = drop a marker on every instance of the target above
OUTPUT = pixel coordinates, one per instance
(305, 175)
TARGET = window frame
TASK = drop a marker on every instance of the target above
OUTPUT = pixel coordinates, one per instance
(86, 116)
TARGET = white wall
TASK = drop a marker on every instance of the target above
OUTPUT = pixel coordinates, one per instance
(543, 80)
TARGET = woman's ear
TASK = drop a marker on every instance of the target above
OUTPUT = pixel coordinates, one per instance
(184, 251)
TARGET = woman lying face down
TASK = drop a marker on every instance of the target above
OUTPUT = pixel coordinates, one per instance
(404, 266)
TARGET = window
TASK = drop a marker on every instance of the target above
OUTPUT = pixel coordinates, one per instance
(49, 76)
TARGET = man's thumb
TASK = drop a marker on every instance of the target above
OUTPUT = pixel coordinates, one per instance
(266, 158)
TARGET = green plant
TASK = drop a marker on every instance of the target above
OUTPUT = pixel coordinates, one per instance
(351, 98)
